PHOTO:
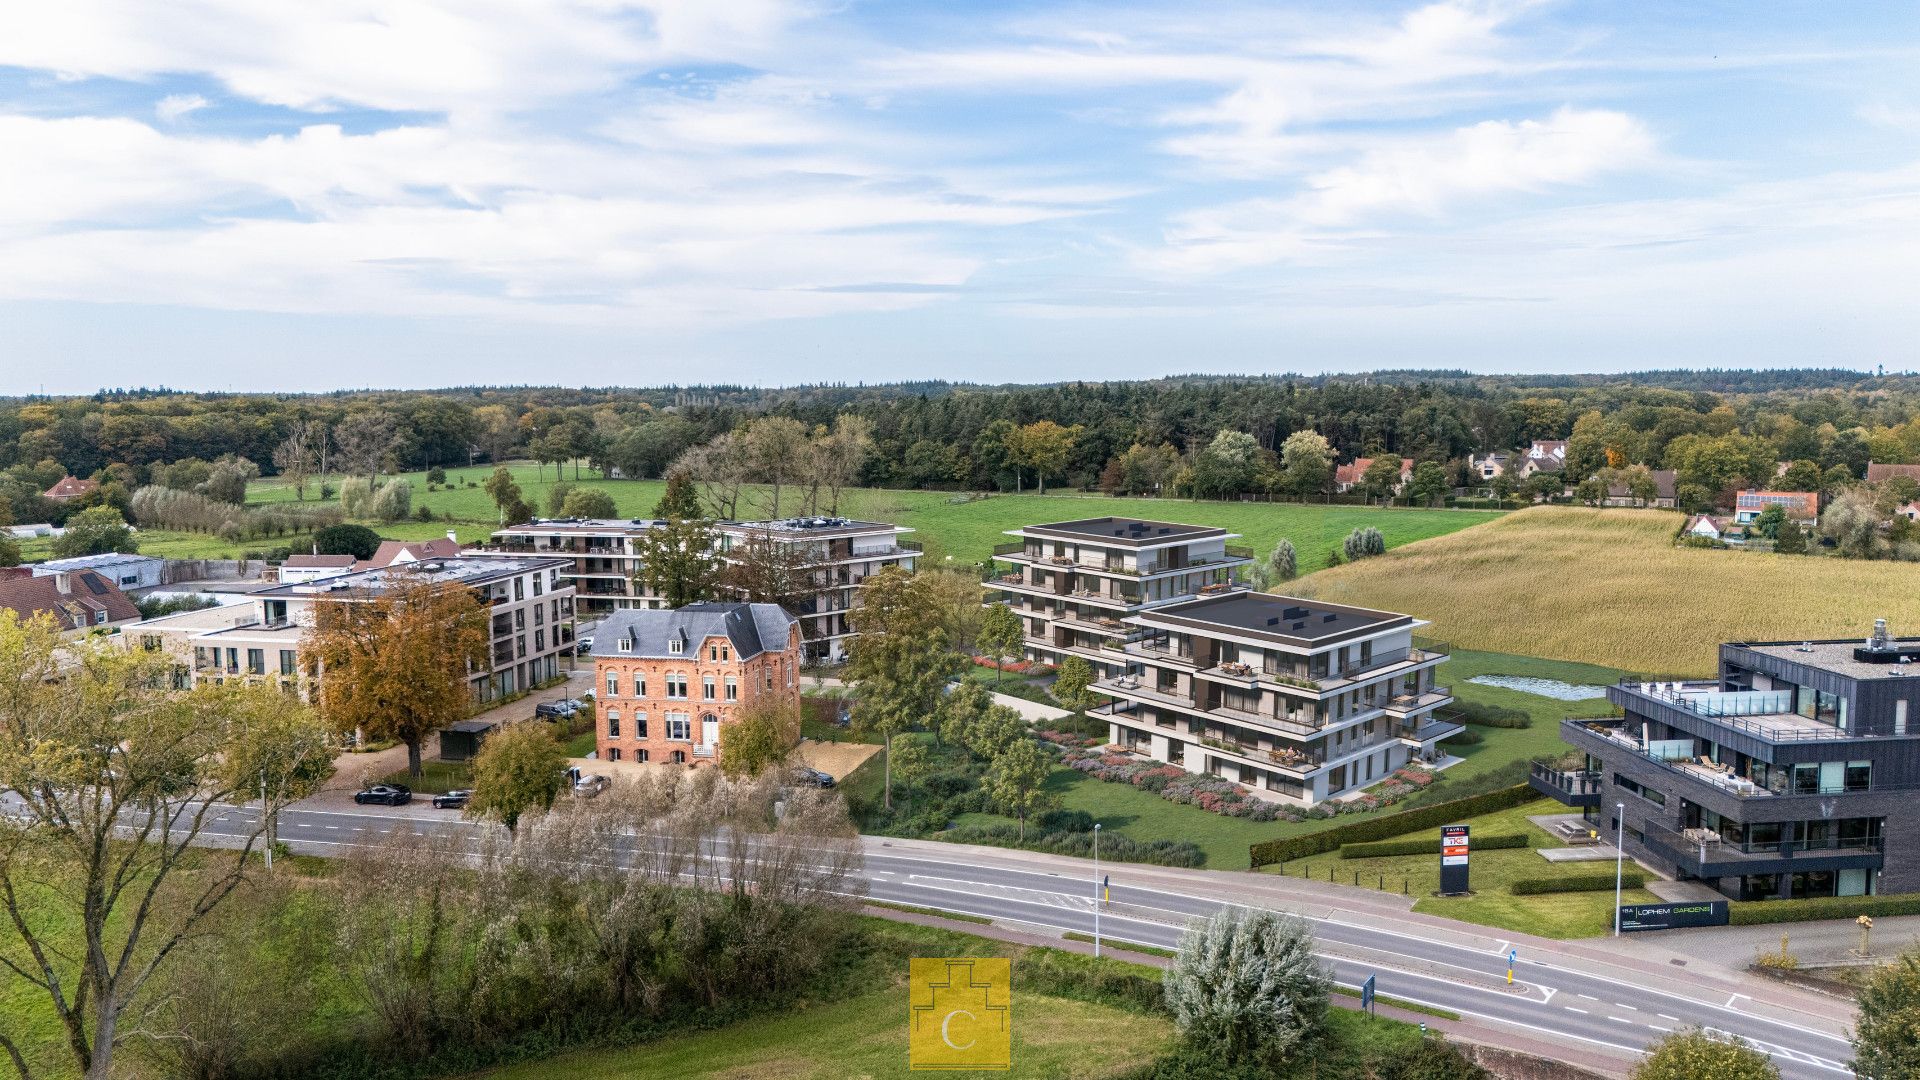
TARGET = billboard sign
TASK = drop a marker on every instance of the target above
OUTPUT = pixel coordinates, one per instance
(1454, 843)
(1673, 916)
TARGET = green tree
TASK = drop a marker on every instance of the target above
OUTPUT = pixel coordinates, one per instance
(355, 540)
(900, 662)
(506, 497)
(1769, 522)
(1246, 989)
(1693, 1054)
(1070, 684)
(1043, 446)
(1546, 485)
(98, 530)
(678, 563)
(112, 778)
(520, 769)
(1306, 460)
(1001, 636)
(1502, 486)
(1886, 1038)
(393, 501)
(964, 707)
(1853, 524)
(1429, 484)
(589, 503)
(557, 498)
(762, 735)
(9, 550)
(996, 729)
(1801, 475)
(1381, 479)
(681, 501)
(1792, 540)
(1017, 778)
(912, 761)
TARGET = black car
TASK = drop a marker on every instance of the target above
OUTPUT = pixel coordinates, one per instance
(453, 800)
(814, 777)
(385, 795)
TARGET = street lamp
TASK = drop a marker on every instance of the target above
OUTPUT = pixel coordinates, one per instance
(1619, 858)
(1096, 890)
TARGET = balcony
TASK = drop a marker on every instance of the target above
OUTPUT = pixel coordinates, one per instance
(1430, 732)
(1569, 788)
(1702, 853)
(1764, 714)
(1406, 704)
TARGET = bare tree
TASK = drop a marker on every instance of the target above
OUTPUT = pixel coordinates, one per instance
(839, 455)
(721, 469)
(298, 455)
(366, 442)
(776, 446)
(114, 778)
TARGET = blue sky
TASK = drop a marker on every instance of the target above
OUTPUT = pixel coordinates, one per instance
(227, 194)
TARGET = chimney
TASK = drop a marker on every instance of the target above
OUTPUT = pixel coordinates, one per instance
(452, 537)
(63, 581)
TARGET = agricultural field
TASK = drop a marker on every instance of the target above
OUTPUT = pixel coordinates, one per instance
(1608, 587)
(953, 526)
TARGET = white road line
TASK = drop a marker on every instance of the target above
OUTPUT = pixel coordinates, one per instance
(1664, 1016)
(1619, 1019)
(1589, 997)
(1582, 1012)
(1657, 1027)
(335, 827)
(1624, 1005)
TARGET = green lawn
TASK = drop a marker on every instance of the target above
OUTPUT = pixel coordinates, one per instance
(1504, 746)
(1560, 915)
(954, 525)
(866, 1036)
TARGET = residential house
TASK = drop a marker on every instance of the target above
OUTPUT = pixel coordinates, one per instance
(1802, 507)
(671, 681)
(1348, 477)
(1545, 455)
(1877, 473)
(1790, 774)
(1297, 699)
(69, 488)
(396, 552)
(301, 568)
(129, 573)
(79, 601)
(1075, 583)
(1490, 466)
(530, 613)
(835, 555)
(1707, 525)
(1911, 511)
(1619, 494)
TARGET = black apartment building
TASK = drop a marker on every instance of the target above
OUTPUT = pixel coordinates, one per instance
(1796, 773)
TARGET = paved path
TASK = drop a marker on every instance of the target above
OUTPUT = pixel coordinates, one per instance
(1599, 1002)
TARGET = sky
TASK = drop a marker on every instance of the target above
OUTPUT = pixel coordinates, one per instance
(249, 195)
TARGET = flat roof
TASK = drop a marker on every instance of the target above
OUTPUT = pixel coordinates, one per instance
(1834, 656)
(812, 526)
(1287, 619)
(470, 570)
(1126, 531)
(595, 525)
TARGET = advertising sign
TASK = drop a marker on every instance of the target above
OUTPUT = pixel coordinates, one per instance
(1453, 858)
(1673, 916)
(960, 1014)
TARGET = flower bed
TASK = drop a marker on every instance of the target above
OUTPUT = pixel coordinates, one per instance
(1067, 739)
(1220, 796)
(1021, 667)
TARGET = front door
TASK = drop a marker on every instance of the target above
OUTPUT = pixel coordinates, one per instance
(709, 731)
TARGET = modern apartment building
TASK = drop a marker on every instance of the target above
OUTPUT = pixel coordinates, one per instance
(835, 555)
(831, 555)
(1298, 698)
(671, 681)
(1791, 774)
(530, 609)
(1075, 583)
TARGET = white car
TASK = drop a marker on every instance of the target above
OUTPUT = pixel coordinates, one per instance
(590, 784)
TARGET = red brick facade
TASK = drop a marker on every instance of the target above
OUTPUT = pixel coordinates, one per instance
(673, 699)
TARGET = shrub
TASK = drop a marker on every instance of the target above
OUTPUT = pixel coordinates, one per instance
(1389, 848)
(393, 501)
(1118, 848)
(1575, 883)
(1065, 821)
(1381, 828)
(1757, 912)
(436, 475)
(1246, 988)
(1495, 716)
(1466, 737)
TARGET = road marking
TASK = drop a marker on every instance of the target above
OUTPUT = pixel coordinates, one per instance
(1550, 991)
(1582, 1012)
(1657, 1027)
(1589, 997)
(1619, 1019)
(1624, 1005)
(333, 827)
(1664, 1016)
(1734, 998)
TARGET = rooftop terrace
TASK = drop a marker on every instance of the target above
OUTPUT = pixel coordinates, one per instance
(1129, 532)
(1268, 615)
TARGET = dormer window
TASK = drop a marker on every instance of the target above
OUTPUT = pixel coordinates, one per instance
(674, 645)
(626, 644)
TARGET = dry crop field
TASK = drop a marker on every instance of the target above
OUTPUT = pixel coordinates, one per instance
(1608, 587)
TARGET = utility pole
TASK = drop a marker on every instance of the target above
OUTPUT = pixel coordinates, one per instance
(266, 816)
(1096, 890)
(1619, 858)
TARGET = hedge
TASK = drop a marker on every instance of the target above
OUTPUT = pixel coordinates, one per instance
(1756, 912)
(1387, 826)
(1387, 848)
(1495, 716)
(1575, 883)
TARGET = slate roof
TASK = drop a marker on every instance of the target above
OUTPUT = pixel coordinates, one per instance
(751, 628)
(87, 594)
(318, 561)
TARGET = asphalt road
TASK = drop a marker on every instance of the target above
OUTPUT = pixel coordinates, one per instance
(1570, 1001)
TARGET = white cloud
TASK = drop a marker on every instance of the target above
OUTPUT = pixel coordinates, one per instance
(174, 106)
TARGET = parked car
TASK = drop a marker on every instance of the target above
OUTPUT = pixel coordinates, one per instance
(456, 799)
(815, 777)
(583, 646)
(590, 784)
(555, 710)
(384, 794)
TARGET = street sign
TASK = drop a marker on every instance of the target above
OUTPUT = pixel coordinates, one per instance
(1106, 889)
(1366, 994)
(1673, 916)
(1454, 843)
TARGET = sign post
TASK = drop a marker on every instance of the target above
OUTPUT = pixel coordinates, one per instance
(1453, 859)
(1631, 917)
(1366, 995)
(1512, 955)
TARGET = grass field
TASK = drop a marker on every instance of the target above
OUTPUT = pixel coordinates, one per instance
(952, 524)
(1558, 915)
(1608, 587)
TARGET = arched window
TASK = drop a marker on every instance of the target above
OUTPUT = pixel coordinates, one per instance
(679, 757)
(613, 754)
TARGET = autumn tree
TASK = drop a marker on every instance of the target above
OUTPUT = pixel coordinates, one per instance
(761, 570)
(839, 454)
(1043, 446)
(760, 736)
(366, 442)
(900, 662)
(113, 778)
(678, 562)
(298, 455)
(397, 663)
(1000, 636)
(776, 448)
(521, 768)
(721, 468)
(956, 593)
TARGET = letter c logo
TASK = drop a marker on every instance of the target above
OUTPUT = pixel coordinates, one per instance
(947, 1037)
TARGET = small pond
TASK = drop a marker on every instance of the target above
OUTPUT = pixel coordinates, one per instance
(1553, 688)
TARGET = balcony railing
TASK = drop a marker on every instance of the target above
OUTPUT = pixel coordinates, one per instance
(1735, 708)
(1568, 787)
(1701, 849)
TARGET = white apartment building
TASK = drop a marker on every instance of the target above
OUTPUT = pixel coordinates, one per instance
(1075, 583)
(530, 608)
(1300, 699)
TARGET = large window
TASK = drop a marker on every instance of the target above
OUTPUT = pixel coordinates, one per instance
(679, 727)
(256, 661)
(286, 662)
(639, 685)
(613, 724)
(676, 686)
(706, 688)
